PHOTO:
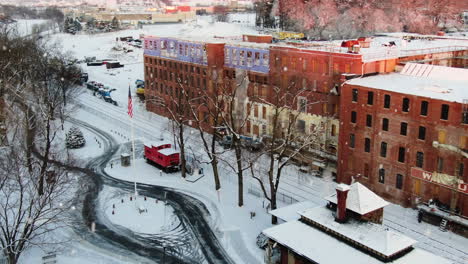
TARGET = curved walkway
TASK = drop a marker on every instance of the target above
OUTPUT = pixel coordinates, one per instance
(194, 241)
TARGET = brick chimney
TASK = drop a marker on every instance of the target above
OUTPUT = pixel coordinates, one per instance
(341, 195)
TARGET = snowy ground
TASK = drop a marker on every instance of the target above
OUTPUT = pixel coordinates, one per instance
(141, 215)
(237, 230)
(25, 26)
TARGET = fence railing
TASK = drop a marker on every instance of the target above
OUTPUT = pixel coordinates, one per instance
(406, 53)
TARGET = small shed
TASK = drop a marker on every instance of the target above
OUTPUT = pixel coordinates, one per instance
(125, 159)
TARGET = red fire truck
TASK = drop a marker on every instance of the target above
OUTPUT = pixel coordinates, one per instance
(161, 154)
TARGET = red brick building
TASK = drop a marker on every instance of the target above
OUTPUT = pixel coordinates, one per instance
(317, 69)
(405, 135)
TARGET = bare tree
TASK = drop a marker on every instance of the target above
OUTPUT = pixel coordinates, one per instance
(35, 83)
(235, 116)
(177, 108)
(288, 139)
(212, 102)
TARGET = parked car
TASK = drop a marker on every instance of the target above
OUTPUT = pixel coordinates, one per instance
(113, 64)
(95, 63)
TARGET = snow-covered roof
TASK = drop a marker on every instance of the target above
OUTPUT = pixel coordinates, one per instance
(436, 85)
(368, 234)
(435, 72)
(168, 151)
(157, 143)
(290, 212)
(322, 248)
(360, 199)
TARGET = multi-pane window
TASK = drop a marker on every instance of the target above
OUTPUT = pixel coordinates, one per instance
(424, 107)
(369, 120)
(382, 175)
(385, 124)
(355, 95)
(419, 159)
(399, 181)
(403, 128)
(444, 112)
(422, 133)
(353, 116)
(401, 154)
(370, 98)
(387, 99)
(383, 149)
(405, 106)
(367, 145)
(351, 140)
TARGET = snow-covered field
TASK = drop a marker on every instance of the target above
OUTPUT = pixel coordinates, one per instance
(26, 26)
(141, 215)
(237, 231)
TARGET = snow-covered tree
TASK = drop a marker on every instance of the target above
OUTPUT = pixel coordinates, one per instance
(35, 85)
(74, 138)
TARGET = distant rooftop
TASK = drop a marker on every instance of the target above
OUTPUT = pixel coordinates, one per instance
(379, 46)
(437, 82)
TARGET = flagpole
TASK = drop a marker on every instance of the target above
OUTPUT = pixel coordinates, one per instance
(130, 112)
(133, 157)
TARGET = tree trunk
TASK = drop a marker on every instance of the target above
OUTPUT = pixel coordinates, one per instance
(214, 164)
(183, 162)
(273, 205)
(12, 258)
(240, 177)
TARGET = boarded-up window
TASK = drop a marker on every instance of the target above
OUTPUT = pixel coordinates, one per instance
(366, 170)
(463, 142)
(441, 136)
(256, 130)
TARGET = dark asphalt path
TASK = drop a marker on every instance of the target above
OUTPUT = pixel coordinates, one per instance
(192, 241)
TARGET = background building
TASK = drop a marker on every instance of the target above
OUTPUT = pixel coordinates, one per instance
(404, 135)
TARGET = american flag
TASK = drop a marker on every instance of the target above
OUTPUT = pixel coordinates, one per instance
(130, 105)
